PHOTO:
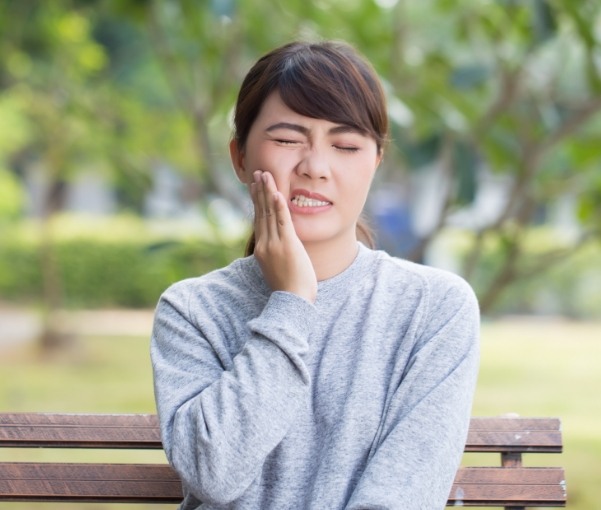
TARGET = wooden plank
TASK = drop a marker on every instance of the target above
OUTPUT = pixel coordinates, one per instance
(514, 423)
(133, 483)
(141, 431)
(504, 441)
(155, 483)
(540, 435)
(530, 487)
(504, 476)
(128, 431)
(518, 487)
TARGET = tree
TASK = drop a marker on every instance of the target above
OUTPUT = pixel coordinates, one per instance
(75, 118)
(491, 80)
(507, 88)
(475, 86)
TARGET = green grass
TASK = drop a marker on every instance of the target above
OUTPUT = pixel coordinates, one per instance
(96, 374)
(529, 367)
(549, 368)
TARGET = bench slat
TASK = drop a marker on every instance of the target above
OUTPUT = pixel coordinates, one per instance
(510, 423)
(541, 435)
(141, 431)
(133, 483)
(128, 431)
(154, 483)
(485, 486)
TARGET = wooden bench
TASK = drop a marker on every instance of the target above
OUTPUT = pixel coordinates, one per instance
(510, 485)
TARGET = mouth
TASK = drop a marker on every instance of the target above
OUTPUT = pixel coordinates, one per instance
(303, 201)
(302, 198)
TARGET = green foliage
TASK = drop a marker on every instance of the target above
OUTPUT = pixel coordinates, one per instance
(569, 286)
(98, 271)
(15, 130)
(123, 86)
(11, 196)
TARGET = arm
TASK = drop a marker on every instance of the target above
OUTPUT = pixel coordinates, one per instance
(219, 425)
(419, 446)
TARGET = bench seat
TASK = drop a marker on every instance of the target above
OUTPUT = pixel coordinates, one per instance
(508, 485)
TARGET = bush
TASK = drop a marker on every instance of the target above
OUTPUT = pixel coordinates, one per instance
(11, 195)
(97, 270)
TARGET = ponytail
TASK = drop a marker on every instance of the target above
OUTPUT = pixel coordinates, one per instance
(249, 249)
(365, 233)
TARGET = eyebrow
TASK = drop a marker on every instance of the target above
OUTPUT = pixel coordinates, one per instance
(342, 128)
(287, 125)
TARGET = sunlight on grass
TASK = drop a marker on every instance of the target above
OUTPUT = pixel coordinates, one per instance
(536, 367)
(530, 367)
(96, 374)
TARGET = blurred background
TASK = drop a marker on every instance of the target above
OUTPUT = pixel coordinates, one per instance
(115, 181)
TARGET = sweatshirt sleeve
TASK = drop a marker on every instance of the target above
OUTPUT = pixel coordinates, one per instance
(218, 425)
(421, 440)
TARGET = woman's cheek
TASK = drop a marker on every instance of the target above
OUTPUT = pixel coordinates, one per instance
(279, 164)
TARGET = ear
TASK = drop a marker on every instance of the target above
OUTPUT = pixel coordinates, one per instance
(237, 157)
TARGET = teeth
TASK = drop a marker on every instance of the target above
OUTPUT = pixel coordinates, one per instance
(303, 201)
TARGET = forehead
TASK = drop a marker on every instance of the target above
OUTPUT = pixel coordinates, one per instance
(275, 113)
(274, 108)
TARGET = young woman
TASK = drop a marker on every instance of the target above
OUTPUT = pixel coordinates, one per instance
(316, 372)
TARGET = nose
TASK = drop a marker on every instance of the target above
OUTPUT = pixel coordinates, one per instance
(314, 164)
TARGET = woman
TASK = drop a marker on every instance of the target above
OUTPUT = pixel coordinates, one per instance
(315, 373)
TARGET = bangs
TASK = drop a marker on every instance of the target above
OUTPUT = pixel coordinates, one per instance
(332, 88)
(327, 81)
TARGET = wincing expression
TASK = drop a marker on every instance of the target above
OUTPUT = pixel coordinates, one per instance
(323, 169)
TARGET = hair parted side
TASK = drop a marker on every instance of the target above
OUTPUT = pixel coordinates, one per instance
(326, 80)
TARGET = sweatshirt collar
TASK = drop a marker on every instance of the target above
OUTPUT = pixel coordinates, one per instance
(337, 284)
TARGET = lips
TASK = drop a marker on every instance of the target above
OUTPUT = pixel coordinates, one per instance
(305, 198)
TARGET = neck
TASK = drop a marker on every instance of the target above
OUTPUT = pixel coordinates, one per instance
(330, 259)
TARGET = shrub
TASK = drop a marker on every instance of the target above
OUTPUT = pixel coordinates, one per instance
(97, 270)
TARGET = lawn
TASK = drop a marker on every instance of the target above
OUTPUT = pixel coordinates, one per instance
(549, 368)
(531, 367)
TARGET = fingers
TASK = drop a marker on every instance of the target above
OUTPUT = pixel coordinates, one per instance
(283, 259)
(257, 195)
(264, 193)
(278, 219)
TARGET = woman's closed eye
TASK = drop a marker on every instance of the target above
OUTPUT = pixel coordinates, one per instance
(346, 148)
(287, 141)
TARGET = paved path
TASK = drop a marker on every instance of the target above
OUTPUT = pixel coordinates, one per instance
(18, 325)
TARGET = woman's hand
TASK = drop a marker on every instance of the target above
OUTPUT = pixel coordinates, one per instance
(283, 259)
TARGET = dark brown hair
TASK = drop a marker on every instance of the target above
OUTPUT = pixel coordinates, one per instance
(327, 80)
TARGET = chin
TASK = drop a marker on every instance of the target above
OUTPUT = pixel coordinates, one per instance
(317, 236)
(307, 235)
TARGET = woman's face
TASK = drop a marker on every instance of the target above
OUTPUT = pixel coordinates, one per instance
(324, 170)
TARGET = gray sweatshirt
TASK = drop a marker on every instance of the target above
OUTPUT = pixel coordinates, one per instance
(360, 401)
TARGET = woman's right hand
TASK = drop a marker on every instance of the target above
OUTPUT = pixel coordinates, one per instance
(282, 257)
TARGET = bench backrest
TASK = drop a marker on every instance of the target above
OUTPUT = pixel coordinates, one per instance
(509, 485)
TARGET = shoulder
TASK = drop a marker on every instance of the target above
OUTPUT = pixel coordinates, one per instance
(436, 283)
(444, 307)
(433, 295)
(234, 282)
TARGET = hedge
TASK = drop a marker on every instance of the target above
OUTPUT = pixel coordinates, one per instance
(96, 273)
